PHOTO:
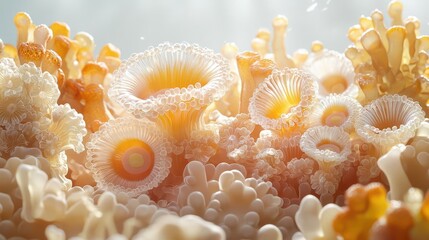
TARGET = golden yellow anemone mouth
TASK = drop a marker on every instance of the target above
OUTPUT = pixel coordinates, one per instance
(129, 155)
(282, 100)
(170, 78)
(335, 110)
(334, 73)
(133, 159)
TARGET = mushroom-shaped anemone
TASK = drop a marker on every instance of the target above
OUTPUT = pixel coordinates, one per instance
(335, 110)
(334, 73)
(389, 120)
(172, 84)
(129, 155)
(327, 145)
(282, 100)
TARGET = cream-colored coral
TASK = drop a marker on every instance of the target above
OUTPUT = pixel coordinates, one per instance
(315, 221)
(30, 116)
(407, 165)
(240, 206)
(188, 227)
(236, 139)
(202, 144)
(47, 203)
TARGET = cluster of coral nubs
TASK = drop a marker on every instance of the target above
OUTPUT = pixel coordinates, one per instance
(181, 142)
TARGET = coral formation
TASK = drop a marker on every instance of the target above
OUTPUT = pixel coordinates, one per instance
(128, 155)
(181, 142)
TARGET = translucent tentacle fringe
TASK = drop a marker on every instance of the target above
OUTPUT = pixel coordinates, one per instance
(129, 155)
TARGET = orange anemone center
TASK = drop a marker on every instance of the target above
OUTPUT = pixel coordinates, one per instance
(335, 116)
(329, 145)
(282, 106)
(133, 159)
(157, 81)
(334, 83)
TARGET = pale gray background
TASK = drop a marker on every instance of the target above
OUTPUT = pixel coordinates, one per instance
(135, 25)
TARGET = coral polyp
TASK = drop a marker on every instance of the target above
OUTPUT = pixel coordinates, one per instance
(335, 110)
(327, 145)
(283, 100)
(389, 120)
(172, 84)
(334, 73)
(129, 155)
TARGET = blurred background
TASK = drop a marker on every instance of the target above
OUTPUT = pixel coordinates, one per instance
(133, 26)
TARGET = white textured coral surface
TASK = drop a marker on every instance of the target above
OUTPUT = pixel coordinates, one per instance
(241, 206)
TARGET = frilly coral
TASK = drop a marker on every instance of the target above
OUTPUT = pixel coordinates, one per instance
(66, 131)
(32, 118)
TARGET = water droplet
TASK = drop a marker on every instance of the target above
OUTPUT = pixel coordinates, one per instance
(142, 38)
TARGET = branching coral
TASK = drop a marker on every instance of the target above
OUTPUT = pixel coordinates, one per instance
(240, 206)
(389, 60)
(76, 212)
(47, 203)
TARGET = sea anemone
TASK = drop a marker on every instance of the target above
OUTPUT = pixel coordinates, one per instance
(334, 73)
(389, 120)
(129, 155)
(335, 110)
(327, 145)
(171, 84)
(282, 101)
